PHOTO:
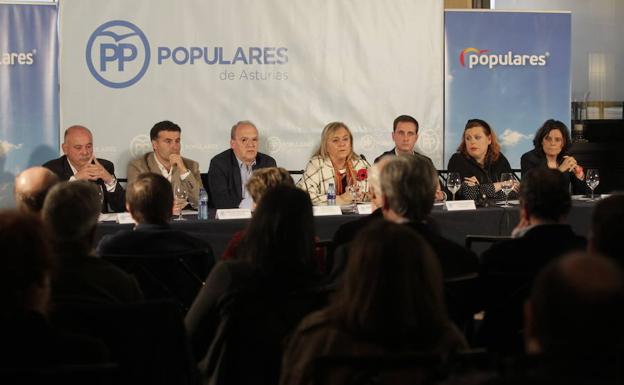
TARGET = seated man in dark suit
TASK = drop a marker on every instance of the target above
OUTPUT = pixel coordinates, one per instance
(509, 267)
(408, 186)
(79, 163)
(229, 171)
(150, 200)
(71, 211)
(405, 136)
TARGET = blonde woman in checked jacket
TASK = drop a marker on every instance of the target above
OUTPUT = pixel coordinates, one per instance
(335, 162)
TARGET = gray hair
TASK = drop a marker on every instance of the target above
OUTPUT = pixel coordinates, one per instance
(241, 123)
(71, 209)
(408, 186)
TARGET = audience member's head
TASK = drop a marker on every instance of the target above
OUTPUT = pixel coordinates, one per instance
(374, 181)
(392, 293)
(280, 236)
(31, 187)
(244, 141)
(408, 186)
(576, 306)
(544, 195)
(265, 178)
(150, 199)
(607, 228)
(71, 211)
(26, 264)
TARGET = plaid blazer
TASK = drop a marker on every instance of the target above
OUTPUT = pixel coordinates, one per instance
(319, 173)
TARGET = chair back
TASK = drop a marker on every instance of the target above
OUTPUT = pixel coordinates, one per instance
(175, 276)
(148, 339)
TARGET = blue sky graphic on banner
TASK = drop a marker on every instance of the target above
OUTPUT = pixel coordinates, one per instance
(511, 69)
(29, 132)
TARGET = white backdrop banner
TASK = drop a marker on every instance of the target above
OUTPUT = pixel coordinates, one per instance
(290, 66)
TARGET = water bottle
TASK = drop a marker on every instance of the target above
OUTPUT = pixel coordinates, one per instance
(331, 195)
(202, 213)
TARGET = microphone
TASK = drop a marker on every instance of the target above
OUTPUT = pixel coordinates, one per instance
(363, 157)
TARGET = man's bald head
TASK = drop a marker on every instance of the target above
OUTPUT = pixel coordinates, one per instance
(577, 304)
(31, 187)
(78, 146)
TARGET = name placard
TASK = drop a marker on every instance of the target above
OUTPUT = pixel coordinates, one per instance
(364, 208)
(107, 217)
(233, 214)
(125, 218)
(460, 205)
(320, 211)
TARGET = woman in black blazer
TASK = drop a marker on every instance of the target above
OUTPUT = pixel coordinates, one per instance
(551, 142)
(480, 163)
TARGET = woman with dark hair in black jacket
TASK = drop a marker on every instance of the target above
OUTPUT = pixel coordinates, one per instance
(552, 142)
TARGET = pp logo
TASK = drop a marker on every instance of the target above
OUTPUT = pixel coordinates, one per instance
(428, 141)
(275, 144)
(118, 54)
(366, 142)
(140, 145)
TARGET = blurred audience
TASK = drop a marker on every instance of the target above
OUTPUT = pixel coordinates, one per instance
(509, 267)
(607, 228)
(574, 320)
(408, 186)
(391, 302)
(71, 211)
(150, 202)
(260, 181)
(248, 305)
(27, 266)
(31, 188)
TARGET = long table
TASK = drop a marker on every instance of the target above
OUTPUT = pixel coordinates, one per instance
(454, 225)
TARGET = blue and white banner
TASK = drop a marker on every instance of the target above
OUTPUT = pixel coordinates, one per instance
(290, 66)
(29, 105)
(511, 69)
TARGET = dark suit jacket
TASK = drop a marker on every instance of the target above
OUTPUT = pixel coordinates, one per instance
(535, 158)
(94, 280)
(224, 181)
(508, 269)
(455, 260)
(153, 239)
(392, 153)
(115, 200)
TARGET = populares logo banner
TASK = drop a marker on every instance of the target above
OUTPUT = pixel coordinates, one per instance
(118, 54)
(485, 57)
